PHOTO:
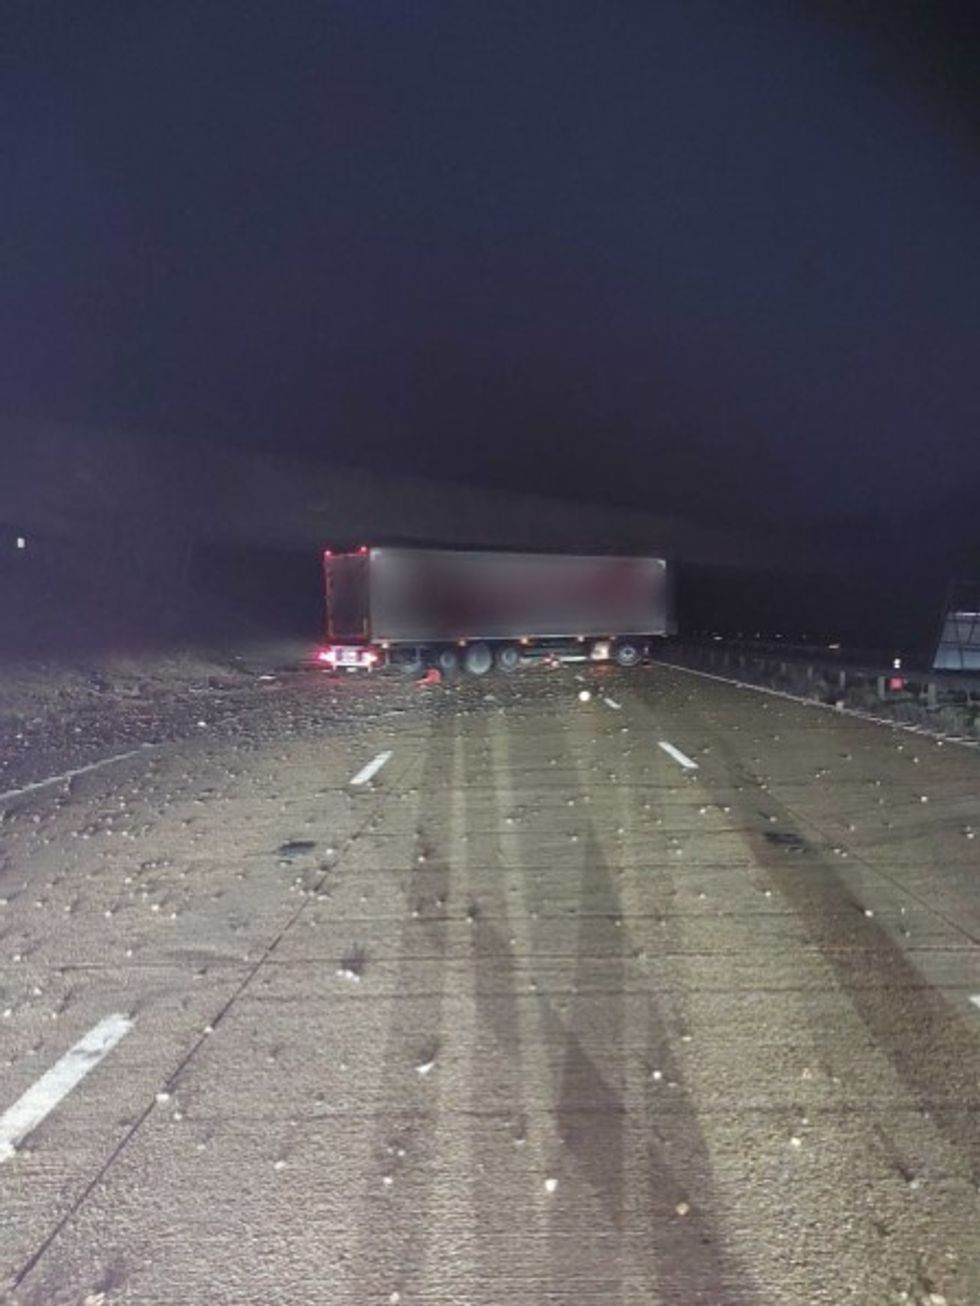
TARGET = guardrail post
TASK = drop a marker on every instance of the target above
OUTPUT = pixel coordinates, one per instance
(882, 689)
(842, 679)
(932, 693)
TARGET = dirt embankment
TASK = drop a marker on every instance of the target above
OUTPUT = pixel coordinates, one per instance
(55, 716)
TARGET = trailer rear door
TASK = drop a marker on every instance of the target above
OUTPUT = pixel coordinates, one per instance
(346, 576)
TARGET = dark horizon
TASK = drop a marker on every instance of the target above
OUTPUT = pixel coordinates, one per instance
(701, 261)
(680, 256)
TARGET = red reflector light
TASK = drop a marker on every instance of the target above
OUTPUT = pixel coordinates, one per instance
(326, 655)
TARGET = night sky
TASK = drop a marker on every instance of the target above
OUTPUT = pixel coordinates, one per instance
(715, 258)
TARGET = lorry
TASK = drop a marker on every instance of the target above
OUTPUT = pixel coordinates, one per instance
(475, 610)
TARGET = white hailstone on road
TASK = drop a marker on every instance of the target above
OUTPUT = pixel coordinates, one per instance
(550, 1185)
(425, 1067)
(682, 1208)
(584, 695)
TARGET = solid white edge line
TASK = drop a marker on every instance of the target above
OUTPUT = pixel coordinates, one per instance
(368, 772)
(70, 775)
(678, 756)
(55, 1084)
(611, 702)
(826, 707)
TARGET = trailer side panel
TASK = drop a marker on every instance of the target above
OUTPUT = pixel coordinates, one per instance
(428, 596)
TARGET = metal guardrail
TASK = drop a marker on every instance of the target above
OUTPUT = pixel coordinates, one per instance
(950, 700)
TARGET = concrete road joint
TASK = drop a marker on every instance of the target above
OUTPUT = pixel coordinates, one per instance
(171, 1081)
(800, 819)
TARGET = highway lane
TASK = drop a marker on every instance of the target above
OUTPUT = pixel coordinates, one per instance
(539, 1010)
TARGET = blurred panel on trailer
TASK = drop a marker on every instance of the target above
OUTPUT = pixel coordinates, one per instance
(431, 595)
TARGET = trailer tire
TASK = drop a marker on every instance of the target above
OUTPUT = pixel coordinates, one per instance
(478, 659)
(410, 661)
(627, 653)
(508, 658)
(447, 660)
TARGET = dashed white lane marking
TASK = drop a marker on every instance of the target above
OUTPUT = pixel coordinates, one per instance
(55, 1084)
(70, 775)
(975, 999)
(368, 772)
(611, 702)
(678, 756)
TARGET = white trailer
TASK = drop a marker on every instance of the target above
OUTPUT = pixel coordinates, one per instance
(451, 608)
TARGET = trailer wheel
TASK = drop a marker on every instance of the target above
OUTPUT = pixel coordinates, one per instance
(478, 659)
(627, 654)
(447, 660)
(409, 661)
(508, 657)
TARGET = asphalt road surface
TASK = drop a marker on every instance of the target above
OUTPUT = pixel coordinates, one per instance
(370, 993)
